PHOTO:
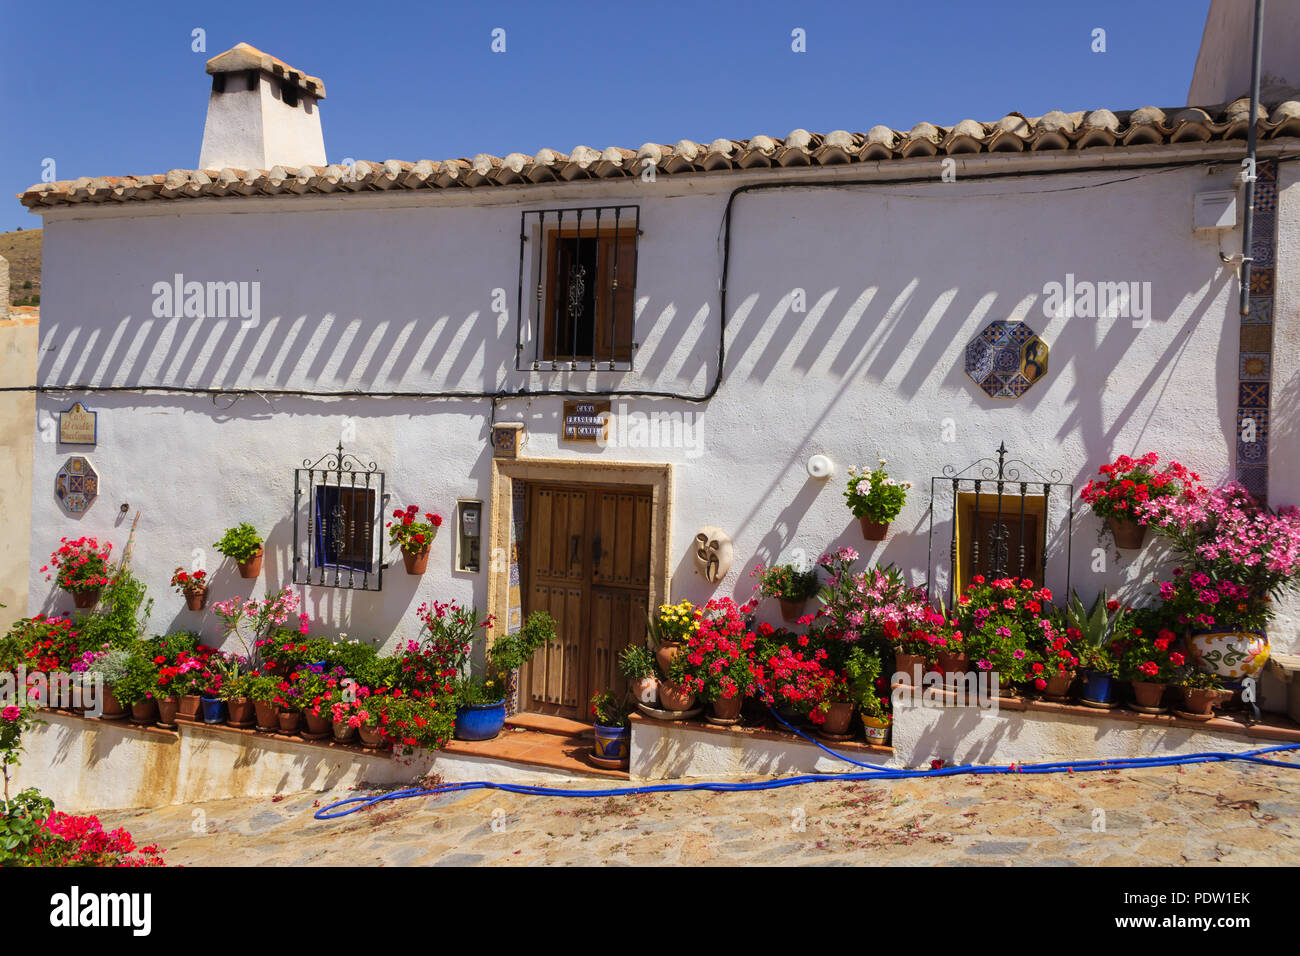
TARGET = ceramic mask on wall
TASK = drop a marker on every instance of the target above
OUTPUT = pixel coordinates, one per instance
(713, 554)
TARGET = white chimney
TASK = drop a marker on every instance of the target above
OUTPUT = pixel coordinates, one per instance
(1222, 72)
(262, 113)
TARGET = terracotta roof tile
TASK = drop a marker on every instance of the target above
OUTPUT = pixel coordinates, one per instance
(1055, 130)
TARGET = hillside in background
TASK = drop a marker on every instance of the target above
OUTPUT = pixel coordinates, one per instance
(23, 250)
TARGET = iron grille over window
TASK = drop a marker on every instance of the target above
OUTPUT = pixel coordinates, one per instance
(577, 291)
(1001, 523)
(338, 501)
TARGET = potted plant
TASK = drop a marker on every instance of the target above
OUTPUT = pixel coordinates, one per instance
(234, 692)
(1149, 659)
(481, 701)
(288, 702)
(136, 687)
(791, 586)
(413, 538)
(309, 682)
(106, 669)
(669, 628)
(862, 673)
(794, 682)
(1002, 619)
(262, 690)
(1202, 692)
(1054, 673)
(717, 662)
(613, 731)
(875, 499)
(366, 719)
(194, 585)
(637, 665)
(1128, 487)
(243, 545)
(81, 568)
(1097, 653)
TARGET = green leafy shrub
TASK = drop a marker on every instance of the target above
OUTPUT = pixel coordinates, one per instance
(240, 543)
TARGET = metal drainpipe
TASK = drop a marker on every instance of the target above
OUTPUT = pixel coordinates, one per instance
(1248, 224)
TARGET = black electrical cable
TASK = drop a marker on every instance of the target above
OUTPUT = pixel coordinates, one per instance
(524, 392)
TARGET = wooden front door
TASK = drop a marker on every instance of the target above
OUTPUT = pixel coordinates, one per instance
(588, 565)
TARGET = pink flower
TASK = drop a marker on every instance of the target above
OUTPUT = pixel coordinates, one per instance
(10, 714)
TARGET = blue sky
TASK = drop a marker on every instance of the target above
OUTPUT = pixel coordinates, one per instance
(118, 90)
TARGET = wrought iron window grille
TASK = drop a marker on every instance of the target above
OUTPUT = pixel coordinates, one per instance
(338, 506)
(1001, 523)
(576, 301)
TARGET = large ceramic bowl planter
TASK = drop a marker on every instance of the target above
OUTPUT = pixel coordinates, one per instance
(416, 563)
(1127, 534)
(612, 746)
(253, 566)
(85, 599)
(725, 710)
(1099, 690)
(480, 721)
(1230, 654)
(873, 530)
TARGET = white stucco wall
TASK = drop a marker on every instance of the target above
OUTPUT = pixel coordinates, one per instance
(393, 291)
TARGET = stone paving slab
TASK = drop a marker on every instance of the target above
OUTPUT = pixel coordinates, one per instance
(1206, 814)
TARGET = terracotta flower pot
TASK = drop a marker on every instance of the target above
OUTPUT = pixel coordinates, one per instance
(838, 718)
(111, 709)
(168, 707)
(675, 696)
(189, 707)
(1203, 700)
(416, 563)
(144, 711)
(371, 737)
(343, 733)
(289, 720)
(253, 566)
(791, 611)
(1127, 534)
(1058, 687)
(645, 690)
(873, 530)
(907, 664)
(953, 663)
(197, 600)
(240, 712)
(725, 709)
(318, 727)
(666, 654)
(267, 716)
(1147, 694)
(85, 599)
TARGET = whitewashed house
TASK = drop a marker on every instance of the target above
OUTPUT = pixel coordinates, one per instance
(753, 313)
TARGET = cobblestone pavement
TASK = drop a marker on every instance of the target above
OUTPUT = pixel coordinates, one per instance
(1222, 813)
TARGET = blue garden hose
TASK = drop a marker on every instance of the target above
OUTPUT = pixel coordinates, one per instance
(342, 808)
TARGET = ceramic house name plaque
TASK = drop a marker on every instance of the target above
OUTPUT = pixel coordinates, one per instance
(76, 485)
(78, 426)
(583, 421)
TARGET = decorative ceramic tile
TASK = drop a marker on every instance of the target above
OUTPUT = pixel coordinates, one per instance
(1006, 358)
(76, 485)
(1255, 365)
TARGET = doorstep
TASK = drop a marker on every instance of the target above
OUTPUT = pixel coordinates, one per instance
(550, 747)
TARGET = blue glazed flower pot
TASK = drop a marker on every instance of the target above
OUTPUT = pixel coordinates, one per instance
(1098, 688)
(612, 743)
(480, 721)
(214, 710)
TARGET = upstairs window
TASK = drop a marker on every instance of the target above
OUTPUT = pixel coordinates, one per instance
(580, 314)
